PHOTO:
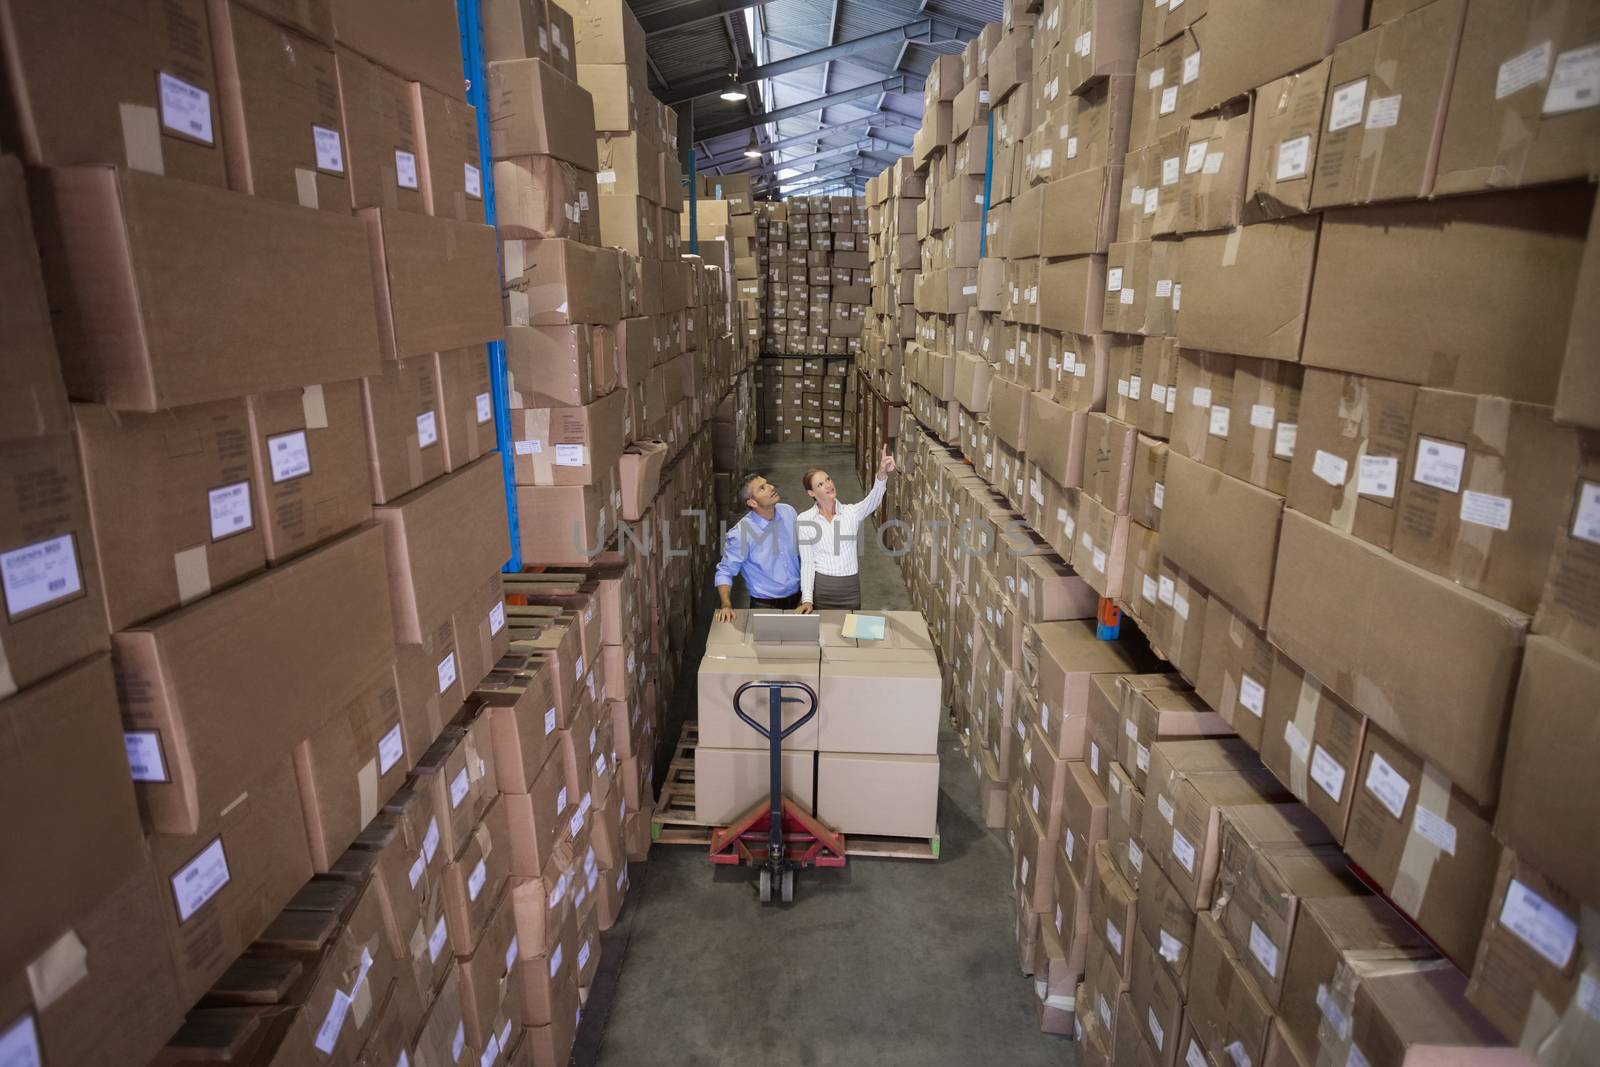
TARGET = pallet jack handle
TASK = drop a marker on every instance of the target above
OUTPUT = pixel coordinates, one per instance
(776, 700)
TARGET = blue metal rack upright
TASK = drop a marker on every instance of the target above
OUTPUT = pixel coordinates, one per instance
(475, 72)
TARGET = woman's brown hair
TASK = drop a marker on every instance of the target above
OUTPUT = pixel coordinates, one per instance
(810, 474)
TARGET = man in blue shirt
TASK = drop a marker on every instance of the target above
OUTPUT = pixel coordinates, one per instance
(764, 548)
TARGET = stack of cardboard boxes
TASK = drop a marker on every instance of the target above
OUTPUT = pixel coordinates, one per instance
(866, 764)
(809, 400)
(813, 254)
(1204, 229)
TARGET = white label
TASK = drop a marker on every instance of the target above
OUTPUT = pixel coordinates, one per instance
(485, 408)
(1171, 948)
(1164, 806)
(1439, 464)
(476, 880)
(1135, 853)
(1193, 159)
(1183, 850)
(1177, 302)
(473, 179)
(200, 879)
(1327, 772)
(1252, 695)
(1348, 105)
(1045, 158)
(1114, 937)
(1024, 869)
(1434, 828)
(1283, 440)
(1588, 999)
(1081, 45)
(1385, 783)
(1094, 757)
(550, 725)
(19, 1044)
(1521, 71)
(185, 108)
(1157, 76)
(458, 788)
(1136, 195)
(1113, 279)
(1152, 200)
(1262, 948)
(1200, 397)
(1069, 844)
(458, 1042)
(490, 1053)
(1194, 1057)
(1329, 467)
(1262, 416)
(1575, 83)
(1127, 296)
(405, 169)
(447, 671)
(330, 149)
(1169, 168)
(427, 429)
(527, 448)
(39, 574)
(1298, 742)
(1147, 588)
(333, 1022)
(1384, 112)
(144, 758)
(430, 840)
(417, 867)
(583, 956)
(1546, 929)
(1158, 493)
(1169, 100)
(1191, 67)
(1486, 509)
(497, 618)
(436, 940)
(1378, 476)
(289, 455)
(1156, 1032)
(1586, 525)
(390, 748)
(1294, 157)
(1333, 1011)
(1219, 420)
(1099, 560)
(1213, 163)
(230, 510)
(571, 455)
(1168, 588)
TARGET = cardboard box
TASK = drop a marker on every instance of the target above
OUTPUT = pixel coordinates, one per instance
(1563, 609)
(893, 795)
(1249, 44)
(35, 401)
(185, 665)
(223, 883)
(1203, 408)
(639, 473)
(1157, 1003)
(383, 136)
(1225, 1008)
(435, 282)
(1286, 127)
(1312, 741)
(125, 1006)
(542, 196)
(568, 445)
(1372, 148)
(282, 126)
(1482, 245)
(553, 282)
(418, 38)
(1206, 510)
(1425, 842)
(535, 111)
(151, 105)
(627, 164)
(560, 366)
(452, 180)
(1264, 268)
(132, 255)
(871, 705)
(515, 29)
(1068, 656)
(1260, 448)
(730, 781)
(1517, 982)
(612, 86)
(468, 411)
(1535, 818)
(1443, 688)
(403, 406)
(607, 31)
(576, 521)
(563, 38)
(1236, 671)
(1076, 286)
(1485, 478)
(1353, 438)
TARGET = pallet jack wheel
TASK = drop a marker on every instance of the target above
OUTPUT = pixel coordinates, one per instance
(788, 885)
(766, 885)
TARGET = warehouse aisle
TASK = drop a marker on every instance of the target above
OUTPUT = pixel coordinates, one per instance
(885, 962)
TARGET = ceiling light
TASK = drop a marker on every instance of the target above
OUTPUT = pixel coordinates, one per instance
(734, 92)
(752, 150)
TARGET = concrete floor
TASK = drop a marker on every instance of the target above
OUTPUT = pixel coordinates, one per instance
(884, 962)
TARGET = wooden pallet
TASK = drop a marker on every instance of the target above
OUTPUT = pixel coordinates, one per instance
(673, 821)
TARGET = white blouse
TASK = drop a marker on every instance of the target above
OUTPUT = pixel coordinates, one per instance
(832, 548)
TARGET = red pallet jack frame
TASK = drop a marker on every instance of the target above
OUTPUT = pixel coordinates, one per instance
(777, 836)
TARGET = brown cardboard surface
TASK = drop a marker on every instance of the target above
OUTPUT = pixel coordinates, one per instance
(468, 409)
(1059, 436)
(883, 707)
(57, 117)
(568, 445)
(35, 401)
(1202, 400)
(1069, 656)
(405, 433)
(895, 795)
(729, 781)
(1225, 1008)
(1236, 671)
(1246, 291)
(551, 282)
(1260, 448)
(1567, 606)
(1425, 842)
(1223, 530)
(417, 38)
(1578, 392)
(134, 255)
(1501, 272)
(1250, 43)
(722, 671)
(221, 885)
(435, 280)
(1157, 1003)
(1216, 153)
(279, 96)
(538, 112)
(261, 650)
(1423, 1014)
(433, 564)
(1443, 685)
(1312, 741)
(1075, 286)
(382, 135)
(1286, 127)
(311, 480)
(452, 179)
(174, 486)
(578, 520)
(546, 197)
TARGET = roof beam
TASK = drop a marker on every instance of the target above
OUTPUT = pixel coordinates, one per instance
(684, 13)
(771, 180)
(900, 83)
(866, 145)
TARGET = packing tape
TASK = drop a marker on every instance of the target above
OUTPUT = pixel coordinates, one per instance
(461, 205)
(1491, 427)
(1305, 720)
(141, 138)
(475, 765)
(8, 681)
(305, 187)
(1230, 247)
(193, 569)
(315, 407)
(367, 789)
(484, 839)
(1337, 1000)
(1567, 1036)
(419, 942)
(1420, 854)
(361, 1003)
(57, 969)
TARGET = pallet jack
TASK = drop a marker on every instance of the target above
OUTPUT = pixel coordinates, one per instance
(793, 838)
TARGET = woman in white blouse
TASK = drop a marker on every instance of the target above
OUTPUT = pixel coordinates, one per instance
(828, 534)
